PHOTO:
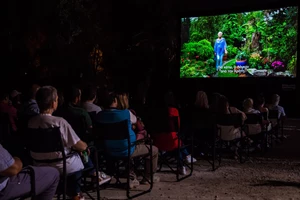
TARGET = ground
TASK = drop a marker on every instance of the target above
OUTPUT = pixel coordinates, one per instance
(273, 176)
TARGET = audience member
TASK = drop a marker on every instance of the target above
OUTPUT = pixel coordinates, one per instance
(14, 184)
(260, 105)
(47, 100)
(15, 98)
(201, 101)
(168, 141)
(214, 102)
(275, 106)
(73, 97)
(138, 126)
(230, 132)
(112, 114)
(30, 107)
(253, 129)
(89, 95)
(7, 107)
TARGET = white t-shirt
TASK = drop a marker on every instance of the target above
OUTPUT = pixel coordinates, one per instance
(253, 128)
(70, 138)
(90, 107)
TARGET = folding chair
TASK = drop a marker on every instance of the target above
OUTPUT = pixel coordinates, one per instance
(119, 131)
(172, 125)
(275, 118)
(93, 116)
(78, 124)
(50, 140)
(236, 121)
(205, 132)
(256, 119)
(29, 170)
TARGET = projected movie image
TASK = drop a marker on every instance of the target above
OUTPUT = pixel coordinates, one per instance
(250, 44)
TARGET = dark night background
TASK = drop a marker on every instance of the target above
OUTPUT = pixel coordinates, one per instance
(139, 40)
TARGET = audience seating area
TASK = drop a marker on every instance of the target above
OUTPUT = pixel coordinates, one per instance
(94, 146)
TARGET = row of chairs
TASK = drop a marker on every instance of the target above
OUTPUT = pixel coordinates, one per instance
(50, 140)
(119, 131)
(205, 129)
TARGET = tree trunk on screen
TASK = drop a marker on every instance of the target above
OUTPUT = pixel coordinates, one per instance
(185, 30)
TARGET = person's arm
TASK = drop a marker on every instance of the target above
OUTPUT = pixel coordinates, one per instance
(80, 146)
(225, 46)
(14, 169)
(283, 115)
(215, 48)
(133, 118)
(235, 110)
(70, 137)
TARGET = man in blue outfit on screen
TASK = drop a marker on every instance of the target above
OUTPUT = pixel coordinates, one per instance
(220, 50)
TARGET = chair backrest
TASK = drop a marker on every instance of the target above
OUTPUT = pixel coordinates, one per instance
(265, 115)
(93, 116)
(45, 140)
(273, 114)
(203, 120)
(111, 131)
(234, 119)
(253, 119)
(77, 122)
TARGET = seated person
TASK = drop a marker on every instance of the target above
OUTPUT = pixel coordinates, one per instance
(253, 129)
(230, 132)
(77, 117)
(260, 105)
(111, 114)
(14, 184)
(137, 124)
(15, 98)
(201, 102)
(47, 100)
(275, 106)
(7, 107)
(89, 95)
(30, 107)
(168, 141)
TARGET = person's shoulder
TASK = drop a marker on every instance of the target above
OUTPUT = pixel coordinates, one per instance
(55, 120)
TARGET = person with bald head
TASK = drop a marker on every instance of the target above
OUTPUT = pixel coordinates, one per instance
(220, 50)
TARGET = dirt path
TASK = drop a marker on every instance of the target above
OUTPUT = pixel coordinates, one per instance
(271, 177)
(264, 179)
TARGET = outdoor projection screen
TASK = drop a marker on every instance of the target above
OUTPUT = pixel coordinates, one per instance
(260, 43)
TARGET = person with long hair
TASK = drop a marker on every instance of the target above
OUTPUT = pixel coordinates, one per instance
(115, 111)
(138, 126)
(201, 101)
(230, 132)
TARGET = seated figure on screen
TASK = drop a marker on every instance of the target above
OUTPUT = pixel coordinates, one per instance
(220, 50)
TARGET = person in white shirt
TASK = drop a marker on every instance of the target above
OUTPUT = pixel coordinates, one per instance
(89, 95)
(47, 100)
(253, 129)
